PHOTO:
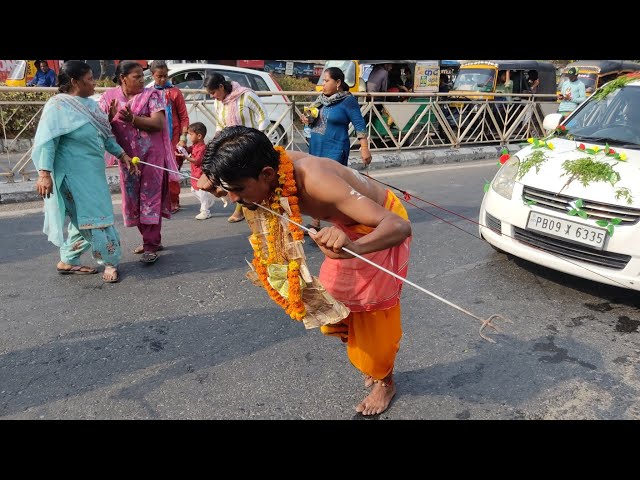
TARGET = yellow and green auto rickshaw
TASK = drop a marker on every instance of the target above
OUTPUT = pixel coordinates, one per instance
(595, 73)
(478, 81)
(422, 75)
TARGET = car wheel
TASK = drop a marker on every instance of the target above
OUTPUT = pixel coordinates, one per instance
(278, 137)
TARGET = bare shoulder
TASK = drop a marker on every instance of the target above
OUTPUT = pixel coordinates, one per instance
(296, 155)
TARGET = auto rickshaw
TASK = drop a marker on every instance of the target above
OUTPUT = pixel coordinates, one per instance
(24, 71)
(482, 77)
(595, 73)
(425, 75)
(356, 72)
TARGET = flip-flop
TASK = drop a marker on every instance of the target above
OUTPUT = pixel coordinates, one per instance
(76, 270)
(234, 220)
(112, 280)
(140, 249)
(149, 257)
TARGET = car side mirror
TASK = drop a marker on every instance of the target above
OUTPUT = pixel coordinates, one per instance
(552, 121)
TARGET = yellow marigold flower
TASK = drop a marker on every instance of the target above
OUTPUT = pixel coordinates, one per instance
(530, 140)
(623, 157)
(550, 145)
(595, 148)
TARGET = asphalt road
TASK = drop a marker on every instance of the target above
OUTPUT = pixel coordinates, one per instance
(190, 338)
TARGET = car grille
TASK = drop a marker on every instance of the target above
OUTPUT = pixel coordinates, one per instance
(493, 223)
(595, 210)
(573, 250)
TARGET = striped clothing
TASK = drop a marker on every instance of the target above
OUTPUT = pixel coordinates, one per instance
(245, 109)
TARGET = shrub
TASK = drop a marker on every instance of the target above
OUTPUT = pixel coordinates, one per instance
(105, 82)
(13, 118)
(291, 84)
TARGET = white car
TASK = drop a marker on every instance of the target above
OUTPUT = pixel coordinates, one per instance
(571, 201)
(192, 75)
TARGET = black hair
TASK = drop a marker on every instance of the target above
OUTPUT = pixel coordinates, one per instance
(337, 74)
(213, 81)
(157, 65)
(71, 69)
(238, 152)
(124, 68)
(198, 127)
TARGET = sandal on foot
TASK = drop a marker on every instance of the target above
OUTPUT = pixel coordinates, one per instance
(114, 278)
(149, 257)
(140, 249)
(234, 219)
(77, 270)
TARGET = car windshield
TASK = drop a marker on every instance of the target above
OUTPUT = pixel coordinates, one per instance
(614, 118)
(475, 80)
(18, 71)
(348, 67)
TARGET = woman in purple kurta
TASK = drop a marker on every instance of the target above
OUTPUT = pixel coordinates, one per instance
(137, 117)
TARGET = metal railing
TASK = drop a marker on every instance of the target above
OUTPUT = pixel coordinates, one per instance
(395, 121)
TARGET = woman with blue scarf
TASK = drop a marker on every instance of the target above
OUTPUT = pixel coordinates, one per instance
(72, 136)
(336, 108)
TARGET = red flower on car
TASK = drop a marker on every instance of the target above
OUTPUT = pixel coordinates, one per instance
(582, 147)
(504, 158)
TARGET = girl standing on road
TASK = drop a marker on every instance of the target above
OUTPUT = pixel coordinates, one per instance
(177, 119)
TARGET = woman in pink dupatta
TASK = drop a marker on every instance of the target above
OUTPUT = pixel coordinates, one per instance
(138, 121)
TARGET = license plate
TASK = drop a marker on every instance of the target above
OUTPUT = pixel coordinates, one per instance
(567, 230)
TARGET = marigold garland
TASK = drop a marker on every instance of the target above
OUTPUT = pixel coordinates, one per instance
(293, 305)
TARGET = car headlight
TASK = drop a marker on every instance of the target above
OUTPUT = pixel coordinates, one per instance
(505, 179)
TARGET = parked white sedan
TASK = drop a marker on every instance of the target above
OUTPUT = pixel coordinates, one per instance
(571, 201)
(192, 75)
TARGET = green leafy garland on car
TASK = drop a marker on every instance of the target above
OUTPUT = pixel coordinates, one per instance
(585, 169)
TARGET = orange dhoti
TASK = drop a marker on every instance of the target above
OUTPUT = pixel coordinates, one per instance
(373, 329)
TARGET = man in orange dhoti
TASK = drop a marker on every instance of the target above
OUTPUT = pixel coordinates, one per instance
(366, 218)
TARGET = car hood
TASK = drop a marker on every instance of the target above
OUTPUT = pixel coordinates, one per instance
(552, 177)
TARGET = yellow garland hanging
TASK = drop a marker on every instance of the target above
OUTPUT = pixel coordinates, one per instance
(292, 303)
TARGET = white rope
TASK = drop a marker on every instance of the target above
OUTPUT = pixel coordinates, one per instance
(381, 268)
(185, 175)
(485, 323)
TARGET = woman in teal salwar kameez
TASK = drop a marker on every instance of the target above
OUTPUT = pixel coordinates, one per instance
(72, 136)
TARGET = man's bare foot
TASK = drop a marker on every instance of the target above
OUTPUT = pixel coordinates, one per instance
(368, 381)
(379, 399)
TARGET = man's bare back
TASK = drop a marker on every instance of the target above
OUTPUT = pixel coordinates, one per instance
(313, 173)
